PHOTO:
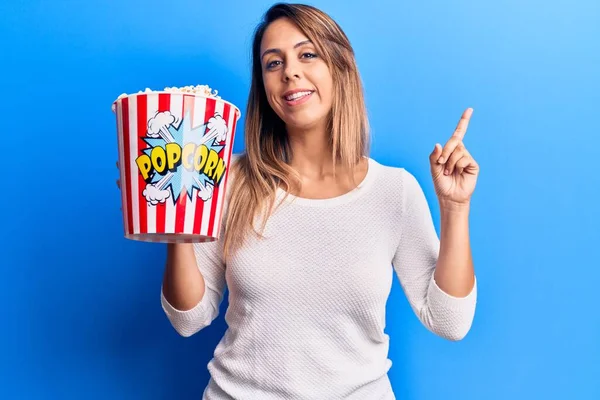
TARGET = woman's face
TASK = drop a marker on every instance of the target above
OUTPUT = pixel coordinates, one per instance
(298, 83)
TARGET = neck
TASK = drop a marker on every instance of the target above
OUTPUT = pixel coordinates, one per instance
(311, 152)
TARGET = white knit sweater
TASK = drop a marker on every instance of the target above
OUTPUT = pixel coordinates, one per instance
(306, 313)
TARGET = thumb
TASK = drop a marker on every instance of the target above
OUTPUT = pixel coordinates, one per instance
(437, 152)
(433, 157)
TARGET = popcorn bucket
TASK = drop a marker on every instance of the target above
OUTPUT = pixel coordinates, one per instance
(174, 156)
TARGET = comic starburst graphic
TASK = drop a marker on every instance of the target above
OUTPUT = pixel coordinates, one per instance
(181, 179)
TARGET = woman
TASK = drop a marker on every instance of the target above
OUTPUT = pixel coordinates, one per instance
(315, 230)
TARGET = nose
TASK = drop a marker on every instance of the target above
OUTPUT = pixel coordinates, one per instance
(287, 77)
(291, 71)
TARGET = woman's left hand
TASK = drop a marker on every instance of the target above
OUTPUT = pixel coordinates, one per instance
(453, 169)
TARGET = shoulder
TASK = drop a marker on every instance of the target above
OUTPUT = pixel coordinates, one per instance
(397, 178)
(400, 187)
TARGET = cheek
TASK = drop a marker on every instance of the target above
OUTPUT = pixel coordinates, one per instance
(325, 84)
(271, 89)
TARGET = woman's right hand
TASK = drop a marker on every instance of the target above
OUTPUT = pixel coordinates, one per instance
(118, 180)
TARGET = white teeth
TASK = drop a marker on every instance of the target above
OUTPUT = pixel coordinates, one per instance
(296, 96)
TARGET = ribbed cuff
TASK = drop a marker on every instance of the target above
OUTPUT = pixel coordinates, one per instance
(439, 297)
(194, 314)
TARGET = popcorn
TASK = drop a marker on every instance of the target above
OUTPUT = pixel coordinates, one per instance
(202, 90)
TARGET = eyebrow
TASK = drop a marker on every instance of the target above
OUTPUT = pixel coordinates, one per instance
(278, 51)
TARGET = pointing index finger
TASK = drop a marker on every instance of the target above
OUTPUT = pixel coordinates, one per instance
(461, 128)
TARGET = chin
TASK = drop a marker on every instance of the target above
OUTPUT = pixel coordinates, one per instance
(301, 125)
(304, 122)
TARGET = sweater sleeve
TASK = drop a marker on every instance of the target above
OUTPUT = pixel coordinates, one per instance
(415, 260)
(210, 262)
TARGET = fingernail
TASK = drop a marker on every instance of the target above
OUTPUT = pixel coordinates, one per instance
(441, 160)
(446, 172)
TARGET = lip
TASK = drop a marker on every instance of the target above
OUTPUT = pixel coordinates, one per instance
(300, 100)
(289, 92)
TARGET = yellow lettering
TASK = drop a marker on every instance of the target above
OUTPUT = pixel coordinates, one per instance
(200, 157)
(173, 156)
(211, 163)
(187, 156)
(159, 159)
(219, 171)
(144, 164)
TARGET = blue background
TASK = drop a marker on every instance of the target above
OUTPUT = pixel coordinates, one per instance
(81, 316)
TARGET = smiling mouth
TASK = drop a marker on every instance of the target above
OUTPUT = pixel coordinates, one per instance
(297, 96)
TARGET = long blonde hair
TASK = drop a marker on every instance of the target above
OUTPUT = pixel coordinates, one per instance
(263, 167)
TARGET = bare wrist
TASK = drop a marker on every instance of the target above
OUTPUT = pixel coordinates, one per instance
(448, 206)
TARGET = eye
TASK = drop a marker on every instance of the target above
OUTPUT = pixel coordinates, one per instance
(309, 55)
(273, 64)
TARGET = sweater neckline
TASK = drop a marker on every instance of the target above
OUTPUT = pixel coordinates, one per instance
(337, 200)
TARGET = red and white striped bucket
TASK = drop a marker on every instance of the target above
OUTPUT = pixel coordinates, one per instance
(174, 157)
